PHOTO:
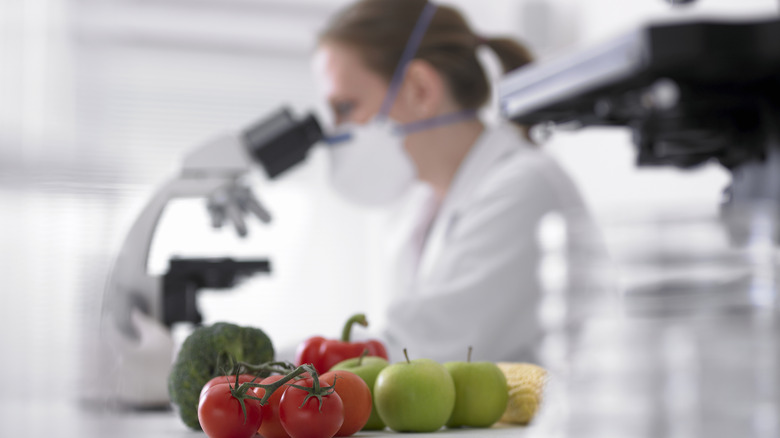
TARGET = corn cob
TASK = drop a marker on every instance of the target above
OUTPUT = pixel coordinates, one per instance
(526, 384)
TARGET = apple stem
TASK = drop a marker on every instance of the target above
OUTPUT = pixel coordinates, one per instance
(360, 318)
(406, 355)
(469, 356)
(362, 355)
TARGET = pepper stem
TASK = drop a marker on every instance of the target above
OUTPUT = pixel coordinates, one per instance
(362, 355)
(407, 356)
(360, 318)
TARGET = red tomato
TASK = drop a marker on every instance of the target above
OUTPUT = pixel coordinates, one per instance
(228, 379)
(221, 416)
(312, 419)
(356, 397)
(271, 427)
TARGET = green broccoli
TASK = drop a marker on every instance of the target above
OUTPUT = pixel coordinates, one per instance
(197, 360)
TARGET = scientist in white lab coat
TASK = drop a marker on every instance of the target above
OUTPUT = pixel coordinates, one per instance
(405, 77)
(405, 85)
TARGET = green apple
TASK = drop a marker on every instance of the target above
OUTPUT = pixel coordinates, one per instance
(481, 393)
(414, 396)
(367, 368)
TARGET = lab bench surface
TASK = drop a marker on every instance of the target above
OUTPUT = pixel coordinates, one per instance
(64, 420)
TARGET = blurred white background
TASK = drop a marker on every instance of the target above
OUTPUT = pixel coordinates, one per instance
(100, 99)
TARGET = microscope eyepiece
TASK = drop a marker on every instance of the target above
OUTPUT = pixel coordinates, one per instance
(279, 141)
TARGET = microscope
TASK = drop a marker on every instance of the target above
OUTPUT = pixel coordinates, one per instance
(142, 355)
(690, 92)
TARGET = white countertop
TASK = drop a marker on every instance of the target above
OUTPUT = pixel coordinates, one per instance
(68, 420)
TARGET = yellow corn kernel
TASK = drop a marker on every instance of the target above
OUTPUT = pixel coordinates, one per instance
(526, 383)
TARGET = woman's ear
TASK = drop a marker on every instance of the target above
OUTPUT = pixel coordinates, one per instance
(421, 93)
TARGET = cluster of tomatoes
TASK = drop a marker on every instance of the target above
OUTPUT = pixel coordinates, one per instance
(337, 403)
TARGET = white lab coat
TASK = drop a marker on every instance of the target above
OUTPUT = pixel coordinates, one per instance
(466, 270)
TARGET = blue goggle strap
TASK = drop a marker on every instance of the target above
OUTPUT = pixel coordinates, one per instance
(412, 45)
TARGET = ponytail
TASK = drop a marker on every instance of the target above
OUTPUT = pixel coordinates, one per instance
(512, 54)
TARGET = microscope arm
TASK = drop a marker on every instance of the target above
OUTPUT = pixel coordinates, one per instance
(205, 169)
(130, 282)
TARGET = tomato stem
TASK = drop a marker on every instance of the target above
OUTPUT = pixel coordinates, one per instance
(239, 393)
(360, 318)
(268, 367)
(271, 387)
(316, 390)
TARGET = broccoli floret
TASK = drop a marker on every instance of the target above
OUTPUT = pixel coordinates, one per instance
(197, 360)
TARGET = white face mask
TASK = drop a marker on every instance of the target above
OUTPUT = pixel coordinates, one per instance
(369, 166)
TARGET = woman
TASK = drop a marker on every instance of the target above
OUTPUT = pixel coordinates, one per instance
(468, 268)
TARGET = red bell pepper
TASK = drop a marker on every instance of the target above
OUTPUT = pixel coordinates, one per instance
(324, 353)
